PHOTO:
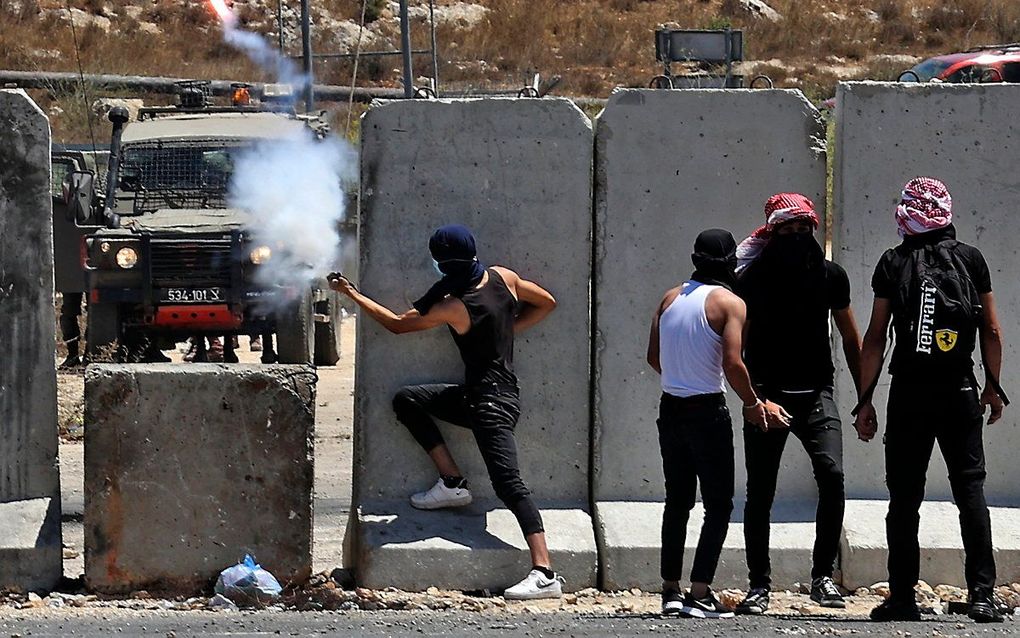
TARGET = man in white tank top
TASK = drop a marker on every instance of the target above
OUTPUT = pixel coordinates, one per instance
(695, 343)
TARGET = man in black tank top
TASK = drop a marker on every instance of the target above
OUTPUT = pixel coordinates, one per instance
(483, 308)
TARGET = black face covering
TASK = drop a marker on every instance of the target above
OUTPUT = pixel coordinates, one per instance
(794, 252)
(715, 258)
(453, 248)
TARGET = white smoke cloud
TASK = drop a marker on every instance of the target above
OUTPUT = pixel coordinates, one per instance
(293, 190)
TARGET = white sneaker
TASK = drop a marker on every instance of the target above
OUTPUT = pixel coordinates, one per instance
(440, 496)
(534, 586)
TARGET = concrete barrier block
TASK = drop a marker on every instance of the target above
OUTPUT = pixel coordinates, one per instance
(473, 548)
(518, 173)
(887, 134)
(188, 468)
(669, 165)
(865, 550)
(630, 535)
(29, 474)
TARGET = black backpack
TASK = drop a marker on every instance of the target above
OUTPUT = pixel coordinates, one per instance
(938, 309)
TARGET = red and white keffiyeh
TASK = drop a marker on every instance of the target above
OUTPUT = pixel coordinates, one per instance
(924, 205)
(779, 209)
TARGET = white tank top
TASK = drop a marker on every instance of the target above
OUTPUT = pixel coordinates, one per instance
(690, 351)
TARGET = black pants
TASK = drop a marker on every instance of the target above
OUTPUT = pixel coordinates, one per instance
(816, 425)
(919, 415)
(491, 413)
(70, 310)
(696, 442)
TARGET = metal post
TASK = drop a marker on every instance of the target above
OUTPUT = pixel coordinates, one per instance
(279, 24)
(729, 57)
(306, 50)
(435, 53)
(405, 46)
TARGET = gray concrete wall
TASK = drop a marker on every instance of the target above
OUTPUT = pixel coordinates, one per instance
(30, 549)
(518, 173)
(966, 135)
(669, 165)
(189, 468)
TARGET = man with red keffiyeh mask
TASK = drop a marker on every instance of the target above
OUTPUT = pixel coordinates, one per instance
(937, 292)
(791, 292)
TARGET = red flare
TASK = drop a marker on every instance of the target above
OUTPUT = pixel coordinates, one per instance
(223, 11)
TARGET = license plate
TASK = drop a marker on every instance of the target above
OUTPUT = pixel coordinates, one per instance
(192, 295)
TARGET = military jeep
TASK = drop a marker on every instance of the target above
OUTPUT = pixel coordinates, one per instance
(170, 260)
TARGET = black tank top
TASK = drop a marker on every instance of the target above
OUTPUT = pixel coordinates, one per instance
(487, 348)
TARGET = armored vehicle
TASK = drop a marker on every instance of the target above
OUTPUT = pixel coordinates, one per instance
(168, 259)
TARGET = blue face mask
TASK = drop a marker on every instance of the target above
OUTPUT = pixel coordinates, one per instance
(435, 265)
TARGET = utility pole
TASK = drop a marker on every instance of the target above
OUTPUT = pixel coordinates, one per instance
(306, 52)
(405, 42)
(279, 25)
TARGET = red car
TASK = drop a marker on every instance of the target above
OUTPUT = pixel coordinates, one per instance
(997, 63)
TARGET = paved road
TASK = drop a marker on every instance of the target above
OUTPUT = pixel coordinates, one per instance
(468, 625)
(334, 419)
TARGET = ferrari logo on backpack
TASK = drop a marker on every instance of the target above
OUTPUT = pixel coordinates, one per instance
(927, 318)
(946, 339)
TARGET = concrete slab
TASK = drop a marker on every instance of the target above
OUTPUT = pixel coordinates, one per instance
(669, 165)
(886, 135)
(865, 550)
(29, 472)
(630, 535)
(518, 173)
(187, 468)
(477, 547)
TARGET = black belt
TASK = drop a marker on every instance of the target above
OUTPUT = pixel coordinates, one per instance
(697, 400)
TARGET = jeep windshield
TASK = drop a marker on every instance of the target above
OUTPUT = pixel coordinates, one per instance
(178, 174)
(929, 69)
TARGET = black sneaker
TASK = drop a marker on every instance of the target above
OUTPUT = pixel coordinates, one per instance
(672, 602)
(896, 609)
(826, 594)
(755, 603)
(707, 607)
(982, 607)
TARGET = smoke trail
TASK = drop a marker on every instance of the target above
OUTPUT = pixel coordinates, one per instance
(293, 188)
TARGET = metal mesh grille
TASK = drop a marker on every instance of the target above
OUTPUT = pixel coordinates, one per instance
(178, 174)
(185, 263)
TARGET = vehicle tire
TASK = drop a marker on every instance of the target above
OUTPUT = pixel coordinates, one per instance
(102, 331)
(295, 333)
(327, 335)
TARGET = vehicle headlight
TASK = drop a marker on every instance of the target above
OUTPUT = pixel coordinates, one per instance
(127, 257)
(260, 255)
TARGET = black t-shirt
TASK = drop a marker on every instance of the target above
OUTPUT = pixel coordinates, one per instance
(885, 283)
(787, 346)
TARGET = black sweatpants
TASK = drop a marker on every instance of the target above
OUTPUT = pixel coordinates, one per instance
(491, 413)
(816, 425)
(919, 415)
(696, 442)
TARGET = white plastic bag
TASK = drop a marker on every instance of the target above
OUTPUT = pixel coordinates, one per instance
(247, 583)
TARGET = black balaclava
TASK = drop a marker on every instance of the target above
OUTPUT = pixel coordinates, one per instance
(792, 267)
(715, 258)
(453, 248)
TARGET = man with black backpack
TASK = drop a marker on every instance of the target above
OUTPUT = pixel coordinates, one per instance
(937, 292)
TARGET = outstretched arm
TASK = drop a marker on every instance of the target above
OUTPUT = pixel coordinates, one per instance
(410, 321)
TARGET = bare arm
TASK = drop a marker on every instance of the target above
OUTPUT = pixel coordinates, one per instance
(732, 351)
(847, 326)
(537, 304)
(410, 321)
(872, 351)
(653, 335)
(991, 352)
